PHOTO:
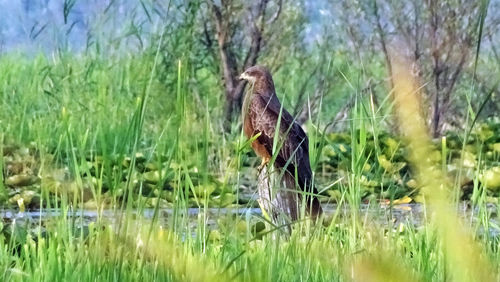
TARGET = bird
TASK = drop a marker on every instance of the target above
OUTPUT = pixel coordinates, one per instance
(262, 113)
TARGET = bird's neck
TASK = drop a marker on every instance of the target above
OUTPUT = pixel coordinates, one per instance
(264, 86)
(246, 103)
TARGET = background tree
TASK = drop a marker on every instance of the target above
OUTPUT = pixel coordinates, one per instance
(440, 36)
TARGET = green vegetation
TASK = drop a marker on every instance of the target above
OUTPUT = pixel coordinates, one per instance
(148, 132)
(91, 135)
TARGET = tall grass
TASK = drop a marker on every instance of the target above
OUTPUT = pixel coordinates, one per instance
(77, 111)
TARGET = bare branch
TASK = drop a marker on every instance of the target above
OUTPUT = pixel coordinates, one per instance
(226, 57)
(276, 14)
(383, 41)
(256, 35)
(494, 49)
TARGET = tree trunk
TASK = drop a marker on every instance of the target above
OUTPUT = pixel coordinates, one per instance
(278, 197)
(231, 69)
(383, 43)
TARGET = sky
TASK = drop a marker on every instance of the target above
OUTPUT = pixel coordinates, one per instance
(33, 26)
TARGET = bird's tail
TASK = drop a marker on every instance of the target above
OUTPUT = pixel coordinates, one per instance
(310, 199)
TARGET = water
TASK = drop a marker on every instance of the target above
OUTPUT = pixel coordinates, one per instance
(383, 216)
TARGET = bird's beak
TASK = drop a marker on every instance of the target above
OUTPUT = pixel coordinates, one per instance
(242, 76)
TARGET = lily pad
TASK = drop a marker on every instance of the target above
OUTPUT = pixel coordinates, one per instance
(491, 178)
(202, 191)
(21, 180)
(389, 166)
(225, 199)
(154, 176)
(496, 147)
(404, 200)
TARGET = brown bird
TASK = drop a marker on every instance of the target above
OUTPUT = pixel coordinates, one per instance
(261, 117)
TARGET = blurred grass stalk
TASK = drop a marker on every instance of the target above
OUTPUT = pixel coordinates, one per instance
(164, 248)
(465, 258)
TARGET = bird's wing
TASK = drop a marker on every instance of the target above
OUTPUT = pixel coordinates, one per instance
(293, 140)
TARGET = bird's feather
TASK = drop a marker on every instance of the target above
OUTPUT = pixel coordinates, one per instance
(293, 144)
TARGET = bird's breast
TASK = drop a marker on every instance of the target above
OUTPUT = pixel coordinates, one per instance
(247, 126)
(247, 115)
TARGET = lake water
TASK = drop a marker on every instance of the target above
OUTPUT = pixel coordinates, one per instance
(413, 215)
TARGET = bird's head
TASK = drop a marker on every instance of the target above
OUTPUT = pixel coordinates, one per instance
(255, 73)
(259, 76)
